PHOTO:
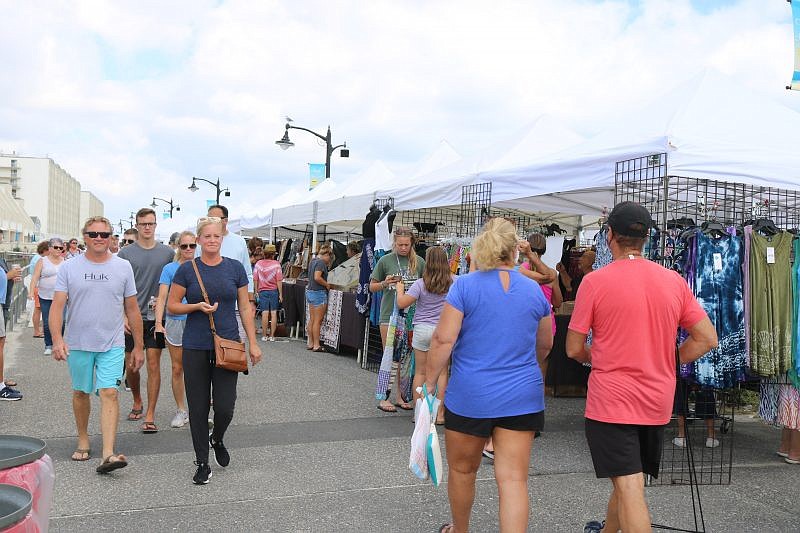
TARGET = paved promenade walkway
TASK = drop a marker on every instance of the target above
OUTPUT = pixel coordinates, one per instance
(311, 453)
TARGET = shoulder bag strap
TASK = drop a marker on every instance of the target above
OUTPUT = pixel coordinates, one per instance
(205, 296)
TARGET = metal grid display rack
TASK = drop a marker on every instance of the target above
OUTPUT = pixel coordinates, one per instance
(674, 201)
(433, 225)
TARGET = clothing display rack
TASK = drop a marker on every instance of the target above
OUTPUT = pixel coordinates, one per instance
(676, 203)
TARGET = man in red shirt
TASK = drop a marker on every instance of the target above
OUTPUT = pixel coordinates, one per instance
(633, 308)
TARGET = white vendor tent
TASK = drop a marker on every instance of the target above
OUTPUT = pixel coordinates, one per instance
(710, 126)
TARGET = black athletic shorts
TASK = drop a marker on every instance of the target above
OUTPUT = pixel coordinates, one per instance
(150, 341)
(482, 427)
(624, 449)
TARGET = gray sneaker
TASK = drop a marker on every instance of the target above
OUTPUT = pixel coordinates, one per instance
(180, 419)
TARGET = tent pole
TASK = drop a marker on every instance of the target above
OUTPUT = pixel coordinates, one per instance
(272, 227)
(314, 235)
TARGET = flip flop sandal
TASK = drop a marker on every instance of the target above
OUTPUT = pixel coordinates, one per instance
(446, 528)
(149, 427)
(87, 452)
(112, 462)
(135, 414)
(318, 350)
(10, 383)
(405, 406)
(387, 409)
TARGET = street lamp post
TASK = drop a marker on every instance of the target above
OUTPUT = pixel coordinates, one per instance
(285, 144)
(216, 184)
(168, 202)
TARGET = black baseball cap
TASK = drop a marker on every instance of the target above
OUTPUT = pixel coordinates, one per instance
(630, 220)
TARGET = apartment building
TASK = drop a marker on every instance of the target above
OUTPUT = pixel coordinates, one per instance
(46, 192)
(17, 229)
(91, 206)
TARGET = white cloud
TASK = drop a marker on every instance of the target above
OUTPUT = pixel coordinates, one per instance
(133, 98)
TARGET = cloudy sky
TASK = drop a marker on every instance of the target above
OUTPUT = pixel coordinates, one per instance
(134, 98)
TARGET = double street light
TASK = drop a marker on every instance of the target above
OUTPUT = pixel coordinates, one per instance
(193, 187)
(285, 144)
(168, 202)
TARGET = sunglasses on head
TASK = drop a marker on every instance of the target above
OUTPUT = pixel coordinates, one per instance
(96, 234)
(192, 245)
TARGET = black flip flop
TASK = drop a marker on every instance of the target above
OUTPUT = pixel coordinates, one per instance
(386, 409)
(108, 465)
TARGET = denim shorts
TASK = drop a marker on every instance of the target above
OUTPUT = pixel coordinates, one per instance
(268, 300)
(422, 337)
(91, 371)
(317, 298)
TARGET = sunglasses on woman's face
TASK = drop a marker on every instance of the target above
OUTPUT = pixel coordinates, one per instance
(192, 245)
(58, 247)
(95, 234)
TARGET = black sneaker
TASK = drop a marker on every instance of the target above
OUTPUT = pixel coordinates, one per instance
(594, 526)
(221, 455)
(10, 395)
(202, 475)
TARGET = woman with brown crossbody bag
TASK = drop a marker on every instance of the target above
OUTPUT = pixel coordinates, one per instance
(213, 354)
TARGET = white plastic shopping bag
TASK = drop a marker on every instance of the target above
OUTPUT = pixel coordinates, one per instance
(432, 450)
(418, 460)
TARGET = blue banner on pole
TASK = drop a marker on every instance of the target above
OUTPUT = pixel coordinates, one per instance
(796, 21)
(165, 214)
(316, 173)
(209, 203)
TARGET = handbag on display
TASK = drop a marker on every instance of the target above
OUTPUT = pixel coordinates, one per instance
(230, 355)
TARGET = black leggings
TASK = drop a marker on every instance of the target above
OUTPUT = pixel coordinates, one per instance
(199, 373)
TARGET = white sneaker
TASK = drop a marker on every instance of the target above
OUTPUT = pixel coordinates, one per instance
(180, 419)
(680, 442)
(272, 339)
(48, 351)
(265, 339)
(711, 442)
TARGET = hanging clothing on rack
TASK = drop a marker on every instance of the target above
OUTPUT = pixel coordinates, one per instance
(719, 291)
(603, 257)
(794, 372)
(770, 304)
(383, 231)
(748, 234)
(366, 264)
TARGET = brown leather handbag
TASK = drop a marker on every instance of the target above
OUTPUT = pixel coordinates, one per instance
(230, 355)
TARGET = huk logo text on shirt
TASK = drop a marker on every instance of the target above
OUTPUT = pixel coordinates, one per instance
(91, 276)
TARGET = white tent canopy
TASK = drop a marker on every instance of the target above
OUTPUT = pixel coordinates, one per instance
(710, 127)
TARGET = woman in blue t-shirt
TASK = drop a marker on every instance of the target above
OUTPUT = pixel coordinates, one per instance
(226, 284)
(496, 322)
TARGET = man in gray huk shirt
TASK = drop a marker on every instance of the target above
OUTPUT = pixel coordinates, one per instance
(147, 258)
(99, 287)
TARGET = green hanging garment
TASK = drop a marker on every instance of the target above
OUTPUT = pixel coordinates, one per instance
(770, 304)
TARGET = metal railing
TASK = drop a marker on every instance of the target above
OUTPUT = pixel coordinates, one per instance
(19, 292)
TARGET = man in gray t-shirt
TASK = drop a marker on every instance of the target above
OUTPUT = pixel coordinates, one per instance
(147, 258)
(99, 288)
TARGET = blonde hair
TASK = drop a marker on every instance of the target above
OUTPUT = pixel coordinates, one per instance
(202, 222)
(93, 220)
(495, 244)
(183, 234)
(325, 249)
(412, 254)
